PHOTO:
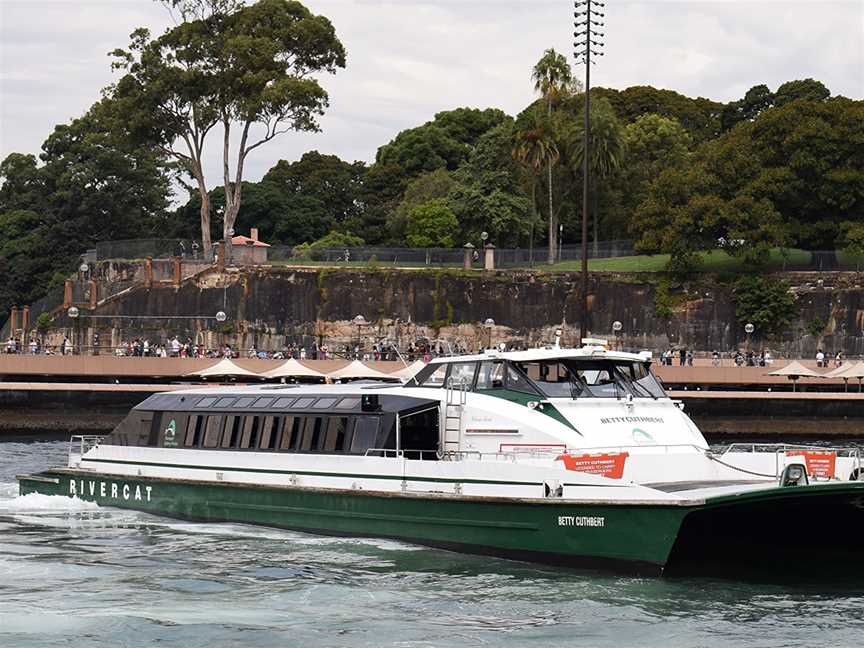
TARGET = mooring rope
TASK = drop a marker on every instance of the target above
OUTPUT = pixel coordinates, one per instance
(743, 470)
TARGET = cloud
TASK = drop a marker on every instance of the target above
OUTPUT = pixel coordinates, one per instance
(409, 59)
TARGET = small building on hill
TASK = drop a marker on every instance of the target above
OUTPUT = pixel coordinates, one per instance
(248, 250)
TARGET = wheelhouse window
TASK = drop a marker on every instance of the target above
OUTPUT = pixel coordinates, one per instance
(462, 374)
(432, 376)
(490, 375)
(592, 378)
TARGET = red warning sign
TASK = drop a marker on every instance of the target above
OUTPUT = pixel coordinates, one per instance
(605, 464)
(819, 463)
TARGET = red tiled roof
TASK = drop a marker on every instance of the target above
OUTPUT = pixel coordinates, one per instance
(245, 240)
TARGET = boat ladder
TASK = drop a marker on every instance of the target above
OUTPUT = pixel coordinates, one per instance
(454, 403)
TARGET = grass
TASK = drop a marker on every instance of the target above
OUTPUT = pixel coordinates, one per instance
(714, 261)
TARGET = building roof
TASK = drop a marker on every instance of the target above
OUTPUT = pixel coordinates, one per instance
(245, 240)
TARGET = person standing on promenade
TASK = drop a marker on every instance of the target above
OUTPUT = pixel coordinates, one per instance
(682, 356)
(820, 358)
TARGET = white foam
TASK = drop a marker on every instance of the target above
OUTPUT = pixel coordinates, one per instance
(38, 502)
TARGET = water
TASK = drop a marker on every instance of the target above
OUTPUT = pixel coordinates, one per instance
(73, 574)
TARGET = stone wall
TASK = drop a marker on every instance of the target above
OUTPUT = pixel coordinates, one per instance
(270, 306)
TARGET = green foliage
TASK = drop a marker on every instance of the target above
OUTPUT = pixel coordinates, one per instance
(805, 89)
(337, 240)
(431, 225)
(764, 302)
(434, 185)
(43, 323)
(853, 237)
(664, 303)
(758, 99)
(816, 327)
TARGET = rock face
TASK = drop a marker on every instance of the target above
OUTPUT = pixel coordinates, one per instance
(270, 307)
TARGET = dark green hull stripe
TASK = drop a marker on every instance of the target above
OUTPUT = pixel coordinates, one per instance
(545, 530)
(312, 473)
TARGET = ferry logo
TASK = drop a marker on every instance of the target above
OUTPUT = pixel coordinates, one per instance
(641, 436)
(171, 434)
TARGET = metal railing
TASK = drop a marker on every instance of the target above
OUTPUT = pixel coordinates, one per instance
(81, 444)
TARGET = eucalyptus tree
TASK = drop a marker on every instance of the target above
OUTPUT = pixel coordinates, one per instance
(249, 70)
(554, 80)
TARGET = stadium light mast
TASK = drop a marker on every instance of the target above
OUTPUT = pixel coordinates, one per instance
(587, 42)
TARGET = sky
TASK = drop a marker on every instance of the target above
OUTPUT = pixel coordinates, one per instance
(408, 59)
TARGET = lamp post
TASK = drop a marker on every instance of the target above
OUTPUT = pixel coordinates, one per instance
(221, 317)
(582, 50)
(616, 327)
(748, 329)
(360, 322)
(73, 314)
(489, 323)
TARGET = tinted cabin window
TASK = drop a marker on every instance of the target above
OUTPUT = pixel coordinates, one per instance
(264, 401)
(212, 431)
(225, 402)
(325, 403)
(233, 427)
(292, 429)
(194, 431)
(334, 438)
(303, 403)
(365, 433)
(311, 434)
(246, 401)
(348, 403)
(249, 438)
(517, 381)
(283, 402)
(205, 402)
(269, 432)
(435, 376)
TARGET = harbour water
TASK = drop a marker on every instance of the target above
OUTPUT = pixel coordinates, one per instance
(73, 574)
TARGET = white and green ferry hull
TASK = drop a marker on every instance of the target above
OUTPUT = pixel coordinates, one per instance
(639, 537)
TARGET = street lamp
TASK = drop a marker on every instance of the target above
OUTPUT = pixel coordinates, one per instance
(748, 329)
(73, 314)
(221, 316)
(616, 327)
(360, 322)
(489, 323)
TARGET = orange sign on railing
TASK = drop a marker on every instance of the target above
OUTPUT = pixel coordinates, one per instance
(819, 463)
(605, 464)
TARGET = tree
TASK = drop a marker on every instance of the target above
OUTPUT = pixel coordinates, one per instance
(431, 225)
(764, 302)
(806, 89)
(232, 67)
(607, 150)
(757, 99)
(534, 149)
(434, 185)
(553, 80)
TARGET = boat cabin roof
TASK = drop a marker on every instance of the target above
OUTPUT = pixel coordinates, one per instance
(549, 353)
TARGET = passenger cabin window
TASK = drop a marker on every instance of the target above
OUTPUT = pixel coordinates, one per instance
(365, 434)
(282, 403)
(325, 403)
(225, 402)
(244, 402)
(264, 401)
(303, 403)
(206, 402)
(348, 403)
(233, 429)
(212, 431)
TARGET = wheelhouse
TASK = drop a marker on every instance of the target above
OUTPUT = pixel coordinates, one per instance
(554, 377)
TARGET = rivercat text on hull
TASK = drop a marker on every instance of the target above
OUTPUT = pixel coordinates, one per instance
(567, 456)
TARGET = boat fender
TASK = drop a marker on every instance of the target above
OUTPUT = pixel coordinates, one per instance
(553, 489)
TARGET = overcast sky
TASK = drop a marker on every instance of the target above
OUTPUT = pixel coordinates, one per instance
(408, 59)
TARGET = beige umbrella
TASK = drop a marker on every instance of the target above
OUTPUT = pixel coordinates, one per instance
(224, 367)
(291, 368)
(795, 370)
(854, 371)
(409, 372)
(357, 369)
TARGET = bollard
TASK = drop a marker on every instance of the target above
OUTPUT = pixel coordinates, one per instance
(489, 261)
(468, 257)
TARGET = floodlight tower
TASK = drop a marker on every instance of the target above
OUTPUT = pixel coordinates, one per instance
(587, 42)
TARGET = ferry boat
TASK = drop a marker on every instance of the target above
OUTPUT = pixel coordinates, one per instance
(574, 457)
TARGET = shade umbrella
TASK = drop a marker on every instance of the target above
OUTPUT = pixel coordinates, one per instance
(224, 367)
(838, 372)
(291, 368)
(407, 373)
(357, 369)
(795, 370)
(855, 371)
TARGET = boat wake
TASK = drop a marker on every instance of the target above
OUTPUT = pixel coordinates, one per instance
(11, 502)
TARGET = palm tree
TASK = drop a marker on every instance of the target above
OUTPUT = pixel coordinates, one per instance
(534, 149)
(607, 150)
(552, 79)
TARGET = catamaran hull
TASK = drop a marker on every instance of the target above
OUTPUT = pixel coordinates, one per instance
(803, 529)
(629, 538)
